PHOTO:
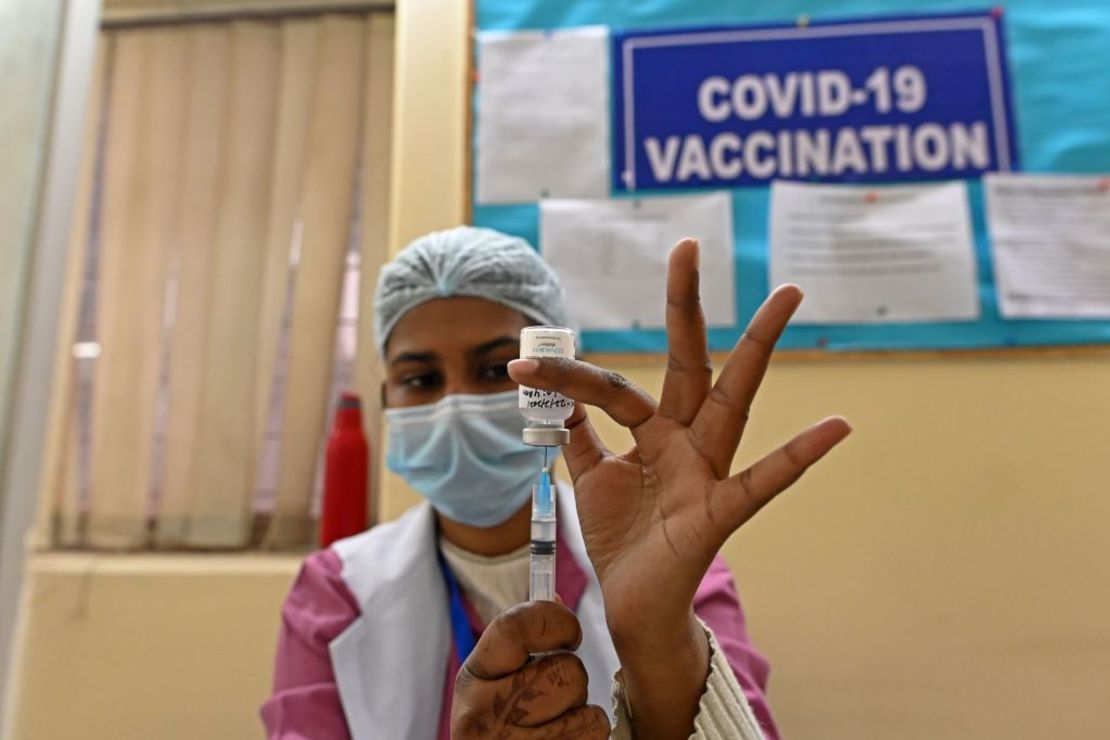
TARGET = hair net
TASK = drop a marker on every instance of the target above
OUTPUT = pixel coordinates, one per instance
(467, 261)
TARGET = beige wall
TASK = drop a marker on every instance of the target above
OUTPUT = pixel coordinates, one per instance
(29, 41)
(946, 574)
(29, 31)
(158, 647)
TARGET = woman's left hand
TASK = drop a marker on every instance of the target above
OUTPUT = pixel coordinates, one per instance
(654, 517)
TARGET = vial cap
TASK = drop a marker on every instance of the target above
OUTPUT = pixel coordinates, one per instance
(546, 436)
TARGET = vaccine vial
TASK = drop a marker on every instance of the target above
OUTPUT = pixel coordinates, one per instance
(545, 412)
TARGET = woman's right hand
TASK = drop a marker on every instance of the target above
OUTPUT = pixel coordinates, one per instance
(501, 693)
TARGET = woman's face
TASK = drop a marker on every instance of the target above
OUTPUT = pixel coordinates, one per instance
(448, 346)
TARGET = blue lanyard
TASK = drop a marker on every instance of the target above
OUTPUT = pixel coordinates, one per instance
(460, 623)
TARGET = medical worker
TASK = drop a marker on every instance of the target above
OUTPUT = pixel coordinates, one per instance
(420, 629)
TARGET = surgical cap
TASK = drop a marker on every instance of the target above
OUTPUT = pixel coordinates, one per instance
(467, 261)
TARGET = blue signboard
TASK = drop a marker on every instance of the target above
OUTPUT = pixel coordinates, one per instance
(920, 98)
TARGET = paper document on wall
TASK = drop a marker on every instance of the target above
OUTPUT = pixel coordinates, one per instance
(543, 115)
(869, 255)
(1050, 236)
(611, 256)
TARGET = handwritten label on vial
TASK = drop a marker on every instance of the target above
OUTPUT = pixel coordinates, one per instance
(534, 398)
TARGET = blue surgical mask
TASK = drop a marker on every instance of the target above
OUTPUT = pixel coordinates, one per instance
(465, 456)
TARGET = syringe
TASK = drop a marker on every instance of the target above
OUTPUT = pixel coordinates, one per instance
(545, 415)
(541, 574)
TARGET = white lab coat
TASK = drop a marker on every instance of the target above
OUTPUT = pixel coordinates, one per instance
(389, 663)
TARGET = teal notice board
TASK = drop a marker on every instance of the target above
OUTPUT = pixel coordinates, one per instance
(1056, 55)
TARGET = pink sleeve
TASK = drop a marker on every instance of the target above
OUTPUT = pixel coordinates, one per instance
(718, 605)
(305, 700)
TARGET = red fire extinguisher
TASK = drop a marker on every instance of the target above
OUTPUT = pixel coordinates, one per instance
(346, 468)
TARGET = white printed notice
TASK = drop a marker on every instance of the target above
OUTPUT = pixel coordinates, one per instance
(870, 255)
(1050, 236)
(611, 256)
(543, 115)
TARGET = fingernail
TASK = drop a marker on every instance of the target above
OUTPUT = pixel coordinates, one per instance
(526, 367)
(697, 249)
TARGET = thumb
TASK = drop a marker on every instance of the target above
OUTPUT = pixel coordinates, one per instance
(513, 637)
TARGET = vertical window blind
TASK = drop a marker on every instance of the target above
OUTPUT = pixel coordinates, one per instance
(231, 218)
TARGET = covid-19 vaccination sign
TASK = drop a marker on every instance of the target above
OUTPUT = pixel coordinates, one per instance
(876, 100)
